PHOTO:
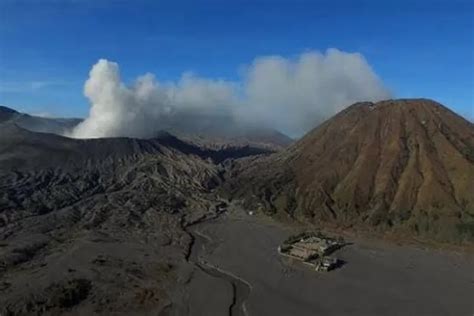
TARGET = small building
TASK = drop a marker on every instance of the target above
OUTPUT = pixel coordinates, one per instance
(312, 249)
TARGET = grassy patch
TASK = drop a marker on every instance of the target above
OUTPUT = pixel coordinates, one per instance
(466, 230)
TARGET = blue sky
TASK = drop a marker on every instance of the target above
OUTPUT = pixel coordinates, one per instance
(418, 48)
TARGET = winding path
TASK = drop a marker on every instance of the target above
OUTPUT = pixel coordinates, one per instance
(240, 288)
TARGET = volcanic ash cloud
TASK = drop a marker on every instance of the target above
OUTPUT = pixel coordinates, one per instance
(291, 95)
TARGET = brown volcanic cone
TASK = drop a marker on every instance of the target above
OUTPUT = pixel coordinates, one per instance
(399, 165)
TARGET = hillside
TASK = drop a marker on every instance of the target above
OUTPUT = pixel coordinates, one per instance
(99, 222)
(399, 165)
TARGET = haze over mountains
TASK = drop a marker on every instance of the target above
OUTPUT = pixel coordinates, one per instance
(273, 97)
(36, 123)
(206, 129)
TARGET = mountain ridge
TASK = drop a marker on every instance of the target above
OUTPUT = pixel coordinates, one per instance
(201, 129)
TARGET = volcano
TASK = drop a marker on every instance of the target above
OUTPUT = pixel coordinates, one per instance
(398, 165)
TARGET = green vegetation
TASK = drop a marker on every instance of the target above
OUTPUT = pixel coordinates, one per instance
(468, 153)
(466, 230)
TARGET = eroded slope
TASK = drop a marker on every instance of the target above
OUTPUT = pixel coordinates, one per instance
(96, 226)
(398, 165)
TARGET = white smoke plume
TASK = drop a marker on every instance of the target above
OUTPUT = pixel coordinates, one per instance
(138, 110)
(296, 95)
(289, 95)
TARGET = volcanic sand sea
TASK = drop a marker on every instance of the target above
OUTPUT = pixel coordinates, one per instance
(378, 278)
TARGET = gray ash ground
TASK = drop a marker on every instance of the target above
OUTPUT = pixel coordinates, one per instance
(378, 278)
(117, 226)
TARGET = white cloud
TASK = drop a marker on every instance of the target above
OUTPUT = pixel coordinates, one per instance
(291, 95)
(297, 94)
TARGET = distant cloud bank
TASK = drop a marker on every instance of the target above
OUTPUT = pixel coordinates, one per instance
(291, 95)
